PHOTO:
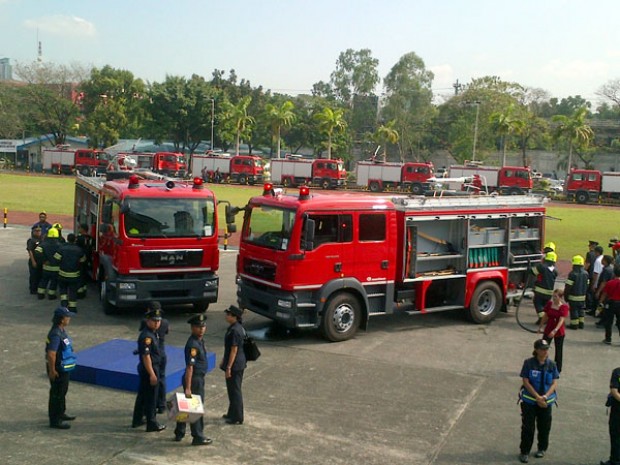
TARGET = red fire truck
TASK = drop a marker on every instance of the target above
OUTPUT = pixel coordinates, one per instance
(165, 163)
(64, 160)
(244, 169)
(154, 240)
(377, 176)
(332, 261)
(513, 180)
(297, 171)
(592, 185)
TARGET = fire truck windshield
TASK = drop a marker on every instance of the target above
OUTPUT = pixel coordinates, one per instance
(269, 227)
(152, 217)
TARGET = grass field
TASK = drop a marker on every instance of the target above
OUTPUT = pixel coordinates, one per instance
(33, 193)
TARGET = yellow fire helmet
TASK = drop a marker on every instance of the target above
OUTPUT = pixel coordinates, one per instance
(550, 246)
(52, 233)
(59, 227)
(578, 260)
(551, 257)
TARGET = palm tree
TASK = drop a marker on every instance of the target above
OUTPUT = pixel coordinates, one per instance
(280, 117)
(386, 134)
(505, 124)
(329, 121)
(241, 121)
(574, 130)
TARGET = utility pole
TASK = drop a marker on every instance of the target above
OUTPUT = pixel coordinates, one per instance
(473, 155)
(457, 87)
(212, 121)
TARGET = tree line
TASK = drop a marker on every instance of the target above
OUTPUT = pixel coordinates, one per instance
(342, 115)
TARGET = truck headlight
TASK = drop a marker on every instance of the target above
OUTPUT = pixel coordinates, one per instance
(127, 286)
(210, 284)
(285, 303)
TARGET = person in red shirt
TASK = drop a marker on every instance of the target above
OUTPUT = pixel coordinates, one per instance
(552, 324)
(611, 298)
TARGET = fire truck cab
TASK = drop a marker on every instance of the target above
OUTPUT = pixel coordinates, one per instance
(153, 240)
(333, 261)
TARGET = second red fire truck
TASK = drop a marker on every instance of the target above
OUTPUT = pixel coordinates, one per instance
(512, 180)
(153, 240)
(61, 160)
(294, 172)
(591, 185)
(333, 261)
(244, 169)
(378, 176)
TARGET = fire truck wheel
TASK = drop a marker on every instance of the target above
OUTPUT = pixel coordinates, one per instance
(84, 171)
(581, 197)
(108, 308)
(341, 317)
(251, 181)
(326, 184)
(243, 179)
(417, 189)
(515, 191)
(485, 303)
(374, 187)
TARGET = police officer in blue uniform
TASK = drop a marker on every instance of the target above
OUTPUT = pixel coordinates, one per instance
(538, 395)
(148, 369)
(60, 362)
(194, 377)
(233, 364)
(614, 418)
(162, 332)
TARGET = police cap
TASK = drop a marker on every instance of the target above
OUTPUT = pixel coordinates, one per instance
(592, 242)
(154, 305)
(234, 310)
(154, 315)
(198, 320)
(541, 344)
(63, 311)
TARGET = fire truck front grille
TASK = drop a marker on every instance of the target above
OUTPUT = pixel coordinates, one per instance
(259, 269)
(170, 258)
(171, 293)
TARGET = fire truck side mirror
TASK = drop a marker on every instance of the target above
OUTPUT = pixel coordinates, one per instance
(230, 214)
(232, 227)
(106, 215)
(307, 237)
(125, 207)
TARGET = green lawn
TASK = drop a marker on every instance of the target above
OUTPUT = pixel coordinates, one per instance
(55, 195)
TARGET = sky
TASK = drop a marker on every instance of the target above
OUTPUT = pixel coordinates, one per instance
(566, 47)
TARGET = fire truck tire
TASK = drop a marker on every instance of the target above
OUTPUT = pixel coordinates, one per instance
(84, 171)
(416, 189)
(374, 187)
(108, 308)
(486, 302)
(200, 307)
(251, 181)
(326, 184)
(243, 179)
(515, 191)
(582, 197)
(341, 317)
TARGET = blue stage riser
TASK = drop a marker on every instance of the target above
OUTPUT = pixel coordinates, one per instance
(113, 364)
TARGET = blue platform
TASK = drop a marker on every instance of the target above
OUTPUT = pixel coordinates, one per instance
(113, 364)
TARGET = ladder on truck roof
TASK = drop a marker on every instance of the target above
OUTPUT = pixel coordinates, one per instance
(469, 202)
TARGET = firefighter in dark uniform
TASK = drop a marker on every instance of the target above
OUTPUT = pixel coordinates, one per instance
(575, 290)
(194, 377)
(614, 418)
(233, 364)
(34, 270)
(44, 253)
(70, 259)
(60, 362)
(162, 332)
(611, 299)
(545, 274)
(84, 242)
(148, 371)
(539, 375)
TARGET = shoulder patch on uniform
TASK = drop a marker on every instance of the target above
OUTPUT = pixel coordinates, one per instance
(148, 341)
(193, 352)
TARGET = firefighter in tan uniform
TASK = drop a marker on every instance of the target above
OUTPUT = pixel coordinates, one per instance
(575, 290)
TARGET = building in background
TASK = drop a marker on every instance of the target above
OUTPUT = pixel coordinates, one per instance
(6, 71)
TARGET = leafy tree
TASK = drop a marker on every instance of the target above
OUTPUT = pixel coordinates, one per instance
(409, 102)
(530, 128)
(236, 121)
(50, 96)
(331, 121)
(574, 130)
(112, 102)
(304, 133)
(180, 111)
(355, 73)
(386, 134)
(323, 89)
(280, 117)
(11, 123)
(611, 91)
